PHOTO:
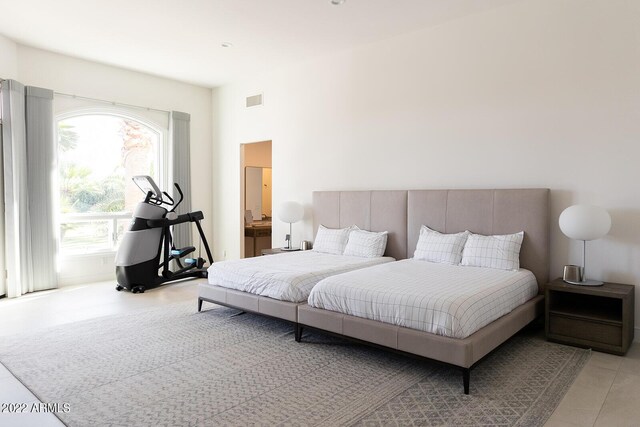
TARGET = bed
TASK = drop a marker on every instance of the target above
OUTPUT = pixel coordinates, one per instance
(471, 338)
(275, 285)
(449, 300)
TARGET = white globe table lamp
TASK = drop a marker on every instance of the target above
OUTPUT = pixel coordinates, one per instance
(584, 222)
(290, 212)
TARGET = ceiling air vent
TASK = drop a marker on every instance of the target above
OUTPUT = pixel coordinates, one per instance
(255, 100)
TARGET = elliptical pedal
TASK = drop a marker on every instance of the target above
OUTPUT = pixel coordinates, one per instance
(179, 253)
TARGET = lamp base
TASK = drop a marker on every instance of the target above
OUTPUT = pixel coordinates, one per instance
(585, 283)
(289, 249)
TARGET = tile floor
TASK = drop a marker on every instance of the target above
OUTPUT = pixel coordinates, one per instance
(606, 393)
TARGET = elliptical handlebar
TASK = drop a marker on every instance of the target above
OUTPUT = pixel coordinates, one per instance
(170, 203)
(153, 195)
(180, 219)
(175, 184)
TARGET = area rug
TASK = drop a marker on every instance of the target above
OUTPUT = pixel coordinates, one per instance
(176, 367)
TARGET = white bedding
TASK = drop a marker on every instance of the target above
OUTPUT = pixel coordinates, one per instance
(450, 300)
(287, 276)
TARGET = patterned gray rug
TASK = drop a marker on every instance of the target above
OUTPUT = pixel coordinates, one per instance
(172, 366)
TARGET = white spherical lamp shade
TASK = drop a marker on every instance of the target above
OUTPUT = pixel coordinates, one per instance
(584, 222)
(291, 212)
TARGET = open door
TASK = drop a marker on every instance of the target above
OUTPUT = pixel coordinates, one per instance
(256, 200)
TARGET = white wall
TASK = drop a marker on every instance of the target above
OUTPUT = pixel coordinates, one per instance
(8, 58)
(540, 93)
(84, 78)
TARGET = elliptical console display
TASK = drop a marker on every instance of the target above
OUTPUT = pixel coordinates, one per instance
(148, 245)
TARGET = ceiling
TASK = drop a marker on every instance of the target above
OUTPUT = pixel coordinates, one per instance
(182, 39)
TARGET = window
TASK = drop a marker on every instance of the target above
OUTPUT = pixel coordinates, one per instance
(97, 156)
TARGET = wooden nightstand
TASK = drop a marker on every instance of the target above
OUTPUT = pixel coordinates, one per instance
(600, 317)
(273, 251)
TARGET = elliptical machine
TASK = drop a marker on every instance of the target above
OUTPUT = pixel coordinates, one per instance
(149, 239)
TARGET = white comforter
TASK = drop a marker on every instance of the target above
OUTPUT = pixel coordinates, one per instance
(453, 301)
(288, 276)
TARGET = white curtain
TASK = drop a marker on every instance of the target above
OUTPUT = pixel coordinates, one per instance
(40, 169)
(27, 145)
(179, 131)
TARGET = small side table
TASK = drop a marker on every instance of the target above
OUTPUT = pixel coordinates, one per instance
(273, 251)
(599, 317)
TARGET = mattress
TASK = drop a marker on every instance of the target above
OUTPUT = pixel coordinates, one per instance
(287, 276)
(442, 299)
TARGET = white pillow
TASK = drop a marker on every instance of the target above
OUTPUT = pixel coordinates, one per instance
(437, 247)
(331, 240)
(368, 244)
(502, 251)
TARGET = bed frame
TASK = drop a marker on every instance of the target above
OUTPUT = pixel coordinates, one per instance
(448, 211)
(248, 302)
(401, 213)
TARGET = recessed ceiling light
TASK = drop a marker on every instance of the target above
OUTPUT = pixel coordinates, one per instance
(226, 44)
(337, 2)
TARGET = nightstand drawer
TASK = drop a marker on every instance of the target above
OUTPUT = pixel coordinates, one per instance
(596, 332)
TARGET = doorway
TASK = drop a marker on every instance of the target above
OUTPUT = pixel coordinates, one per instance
(256, 198)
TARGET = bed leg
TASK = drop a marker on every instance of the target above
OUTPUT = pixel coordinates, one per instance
(199, 305)
(298, 332)
(466, 374)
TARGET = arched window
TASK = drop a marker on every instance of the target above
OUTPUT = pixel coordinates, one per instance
(98, 153)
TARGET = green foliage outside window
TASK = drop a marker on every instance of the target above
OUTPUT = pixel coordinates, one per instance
(79, 190)
(87, 185)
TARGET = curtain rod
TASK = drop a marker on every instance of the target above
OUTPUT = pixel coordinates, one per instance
(120, 104)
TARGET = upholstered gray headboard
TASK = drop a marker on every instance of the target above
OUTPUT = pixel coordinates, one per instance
(369, 210)
(402, 212)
